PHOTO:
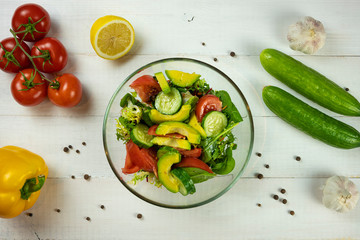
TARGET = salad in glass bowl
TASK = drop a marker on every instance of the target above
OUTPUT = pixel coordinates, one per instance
(178, 134)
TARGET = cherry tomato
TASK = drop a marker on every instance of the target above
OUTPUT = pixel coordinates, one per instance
(68, 93)
(147, 88)
(206, 104)
(55, 55)
(36, 88)
(31, 17)
(13, 62)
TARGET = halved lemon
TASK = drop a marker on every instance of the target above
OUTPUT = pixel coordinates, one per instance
(112, 37)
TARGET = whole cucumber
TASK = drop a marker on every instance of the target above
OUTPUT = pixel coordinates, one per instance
(309, 83)
(310, 120)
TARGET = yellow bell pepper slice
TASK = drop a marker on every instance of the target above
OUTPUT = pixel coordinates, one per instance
(22, 175)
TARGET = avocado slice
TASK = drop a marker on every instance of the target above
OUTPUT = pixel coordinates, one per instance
(172, 142)
(182, 79)
(192, 135)
(162, 82)
(165, 149)
(196, 125)
(180, 116)
(192, 102)
(164, 167)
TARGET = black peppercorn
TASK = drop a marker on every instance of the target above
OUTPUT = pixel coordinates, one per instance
(215, 59)
(139, 216)
(66, 149)
(71, 147)
(283, 191)
(298, 158)
(260, 176)
(232, 54)
(276, 197)
(87, 177)
(292, 213)
(258, 154)
(267, 165)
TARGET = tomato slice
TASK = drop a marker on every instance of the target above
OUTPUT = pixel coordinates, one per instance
(143, 158)
(152, 131)
(195, 153)
(193, 162)
(146, 87)
(129, 167)
(206, 104)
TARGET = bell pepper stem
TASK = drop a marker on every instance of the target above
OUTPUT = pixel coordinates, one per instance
(31, 186)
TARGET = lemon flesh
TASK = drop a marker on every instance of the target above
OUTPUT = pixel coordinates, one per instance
(112, 37)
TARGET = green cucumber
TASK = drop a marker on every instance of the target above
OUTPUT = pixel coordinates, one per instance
(168, 103)
(139, 135)
(214, 123)
(186, 184)
(309, 83)
(310, 120)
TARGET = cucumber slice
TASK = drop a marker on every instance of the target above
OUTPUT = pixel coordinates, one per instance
(162, 82)
(186, 184)
(168, 103)
(213, 123)
(139, 135)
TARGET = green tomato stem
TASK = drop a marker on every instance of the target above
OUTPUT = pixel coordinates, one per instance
(30, 57)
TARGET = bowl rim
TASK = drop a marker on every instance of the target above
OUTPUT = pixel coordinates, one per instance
(168, 205)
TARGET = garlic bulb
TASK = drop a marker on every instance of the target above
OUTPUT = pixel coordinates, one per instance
(307, 36)
(340, 194)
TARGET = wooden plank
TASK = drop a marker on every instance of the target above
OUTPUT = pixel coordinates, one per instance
(277, 141)
(235, 214)
(101, 78)
(239, 26)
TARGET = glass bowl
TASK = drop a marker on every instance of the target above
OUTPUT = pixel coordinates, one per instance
(206, 191)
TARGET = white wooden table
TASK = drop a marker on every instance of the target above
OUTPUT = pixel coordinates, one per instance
(166, 28)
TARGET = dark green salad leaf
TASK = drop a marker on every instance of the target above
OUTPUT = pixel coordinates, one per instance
(201, 87)
(198, 175)
(229, 109)
(217, 151)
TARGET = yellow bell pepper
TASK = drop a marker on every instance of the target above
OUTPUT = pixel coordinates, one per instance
(22, 174)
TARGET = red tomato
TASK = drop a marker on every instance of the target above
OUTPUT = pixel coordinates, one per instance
(21, 61)
(145, 159)
(36, 92)
(146, 87)
(68, 93)
(193, 162)
(129, 167)
(195, 153)
(55, 55)
(206, 104)
(32, 17)
(152, 131)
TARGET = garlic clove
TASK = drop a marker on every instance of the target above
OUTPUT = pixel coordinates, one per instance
(307, 35)
(340, 194)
